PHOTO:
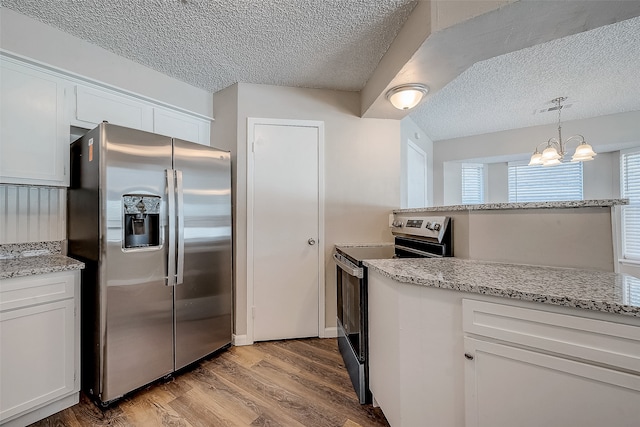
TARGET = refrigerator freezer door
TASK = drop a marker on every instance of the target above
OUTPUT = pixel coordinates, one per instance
(136, 305)
(203, 299)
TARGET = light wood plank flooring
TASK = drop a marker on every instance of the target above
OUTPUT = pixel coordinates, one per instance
(277, 383)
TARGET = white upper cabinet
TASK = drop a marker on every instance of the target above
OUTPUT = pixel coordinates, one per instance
(93, 106)
(34, 130)
(182, 126)
(39, 104)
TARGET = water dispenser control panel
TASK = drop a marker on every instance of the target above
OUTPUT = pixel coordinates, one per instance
(141, 221)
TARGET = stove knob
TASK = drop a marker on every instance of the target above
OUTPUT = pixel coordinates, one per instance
(428, 226)
(436, 227)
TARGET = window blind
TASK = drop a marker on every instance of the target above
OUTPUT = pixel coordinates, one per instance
(472, 183)
(543, 184)
(631, 295)
(630, 163)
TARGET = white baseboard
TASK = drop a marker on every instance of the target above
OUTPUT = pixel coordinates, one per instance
(331, 332)
(238, 340)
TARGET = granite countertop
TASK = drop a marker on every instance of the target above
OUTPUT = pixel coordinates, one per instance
(28, 266)
(585, 289)
(363, 245)
(27, 259)
(528, 205)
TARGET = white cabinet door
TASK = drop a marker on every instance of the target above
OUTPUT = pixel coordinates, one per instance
(509, 386)
(93, 106)
(182, 126)
(34, 132)
(39, 346)
(38, 356)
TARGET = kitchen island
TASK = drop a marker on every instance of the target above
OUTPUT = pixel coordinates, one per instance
(460, 342)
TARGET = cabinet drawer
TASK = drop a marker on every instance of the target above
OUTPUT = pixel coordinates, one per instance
(24, 291)
(599, 341)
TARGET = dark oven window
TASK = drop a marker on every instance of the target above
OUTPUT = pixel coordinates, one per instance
(349, 310)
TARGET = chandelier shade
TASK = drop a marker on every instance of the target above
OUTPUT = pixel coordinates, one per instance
(555, 149)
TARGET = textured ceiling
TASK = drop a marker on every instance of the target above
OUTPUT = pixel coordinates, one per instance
(212, 44)
(598, 71)
(337, 44)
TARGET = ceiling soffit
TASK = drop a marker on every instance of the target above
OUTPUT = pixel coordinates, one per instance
(447, 53)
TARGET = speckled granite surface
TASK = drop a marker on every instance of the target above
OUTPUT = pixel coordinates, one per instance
(364, 245)
(592, 290)
(14, 250)
(528, 205)
(28, 266)
(27, 259)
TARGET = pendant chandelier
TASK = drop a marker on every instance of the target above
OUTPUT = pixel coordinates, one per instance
(555, 149)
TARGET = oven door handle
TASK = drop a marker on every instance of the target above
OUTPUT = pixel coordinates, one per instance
(349, 269)
(418, 252)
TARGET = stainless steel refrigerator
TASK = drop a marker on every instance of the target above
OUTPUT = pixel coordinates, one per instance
(151, 218)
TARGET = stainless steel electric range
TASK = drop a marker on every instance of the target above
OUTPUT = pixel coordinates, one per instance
(415, 237)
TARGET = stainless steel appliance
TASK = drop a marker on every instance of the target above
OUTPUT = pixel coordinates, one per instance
(415, 237)
(151, 218)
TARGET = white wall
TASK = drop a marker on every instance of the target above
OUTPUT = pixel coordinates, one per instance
(607, 134)
(409, 130)
(362, 176)
(25, 36)
(452, 173)
(497, 183)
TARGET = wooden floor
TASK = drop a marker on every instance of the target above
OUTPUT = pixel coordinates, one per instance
(277, 383)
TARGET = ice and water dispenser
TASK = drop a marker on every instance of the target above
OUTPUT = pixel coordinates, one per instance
(141, 221)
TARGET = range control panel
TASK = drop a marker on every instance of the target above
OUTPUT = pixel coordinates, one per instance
(432, 227)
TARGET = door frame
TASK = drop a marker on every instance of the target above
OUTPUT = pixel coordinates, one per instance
(319, 125)
(413, 146)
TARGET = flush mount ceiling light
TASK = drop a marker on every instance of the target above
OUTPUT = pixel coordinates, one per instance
(554, 152)
(405, 97)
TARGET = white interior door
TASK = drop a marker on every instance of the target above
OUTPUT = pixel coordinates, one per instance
(416, 176)
(285, 225)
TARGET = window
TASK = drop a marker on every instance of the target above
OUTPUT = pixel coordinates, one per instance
(544, 184)
(630, 171)
(472, 183)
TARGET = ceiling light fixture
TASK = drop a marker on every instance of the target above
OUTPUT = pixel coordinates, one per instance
(405, 97)
(555, 150)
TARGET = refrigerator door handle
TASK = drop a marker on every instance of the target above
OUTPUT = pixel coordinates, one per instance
(171, 203)
(180, 215)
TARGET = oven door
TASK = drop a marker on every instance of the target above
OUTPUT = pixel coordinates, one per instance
(350, 296)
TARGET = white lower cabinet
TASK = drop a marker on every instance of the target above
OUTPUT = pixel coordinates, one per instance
(448, 358)
(39, 338)
(531, 368)
(416, 353)
(510, 386)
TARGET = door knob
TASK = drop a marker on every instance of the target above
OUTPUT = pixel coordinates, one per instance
(311, 241)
